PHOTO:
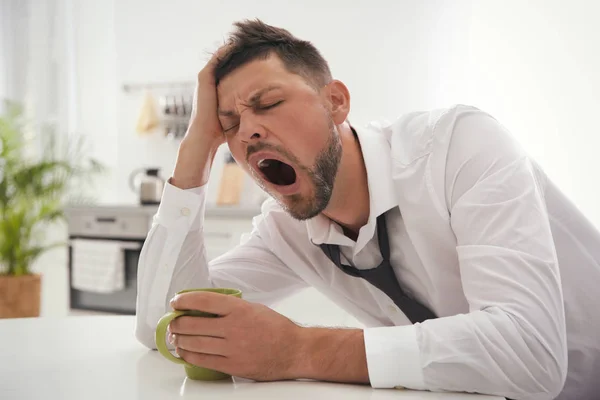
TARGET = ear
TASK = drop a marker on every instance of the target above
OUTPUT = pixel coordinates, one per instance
(338, 97)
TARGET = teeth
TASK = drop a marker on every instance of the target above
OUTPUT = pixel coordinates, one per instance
(263, 163)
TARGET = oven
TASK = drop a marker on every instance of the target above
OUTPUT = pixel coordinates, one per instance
(107, 227)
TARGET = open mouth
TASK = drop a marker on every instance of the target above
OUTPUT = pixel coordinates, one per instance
(277, 172)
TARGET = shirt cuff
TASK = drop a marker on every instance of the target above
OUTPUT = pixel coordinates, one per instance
(393, 358)
(177, 203)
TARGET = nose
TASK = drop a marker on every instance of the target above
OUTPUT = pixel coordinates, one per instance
(250, 130)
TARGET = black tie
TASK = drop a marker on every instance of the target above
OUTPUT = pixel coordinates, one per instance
(382, 276)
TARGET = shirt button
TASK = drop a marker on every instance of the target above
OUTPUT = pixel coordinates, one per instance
(393, 309)
(185, 211)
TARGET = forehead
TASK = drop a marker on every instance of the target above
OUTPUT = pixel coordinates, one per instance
(249, 78)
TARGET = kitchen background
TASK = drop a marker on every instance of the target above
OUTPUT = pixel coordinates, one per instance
(90, 67)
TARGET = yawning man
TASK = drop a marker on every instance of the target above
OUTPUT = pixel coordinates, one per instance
(469, 268)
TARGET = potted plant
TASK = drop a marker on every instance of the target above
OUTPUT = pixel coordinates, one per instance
(35, 188)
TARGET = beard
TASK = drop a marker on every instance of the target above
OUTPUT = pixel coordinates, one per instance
(321, 176)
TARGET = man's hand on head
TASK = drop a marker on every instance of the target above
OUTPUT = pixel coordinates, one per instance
(204, 134)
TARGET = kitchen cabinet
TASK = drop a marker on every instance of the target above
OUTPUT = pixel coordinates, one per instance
(105, 246)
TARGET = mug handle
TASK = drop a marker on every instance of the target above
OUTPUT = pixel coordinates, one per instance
(161, 332)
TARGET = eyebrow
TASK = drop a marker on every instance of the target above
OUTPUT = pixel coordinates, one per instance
(252, 101)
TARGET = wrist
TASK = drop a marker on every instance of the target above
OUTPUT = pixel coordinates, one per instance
(330, 355)
(302, 364)
(193, 165)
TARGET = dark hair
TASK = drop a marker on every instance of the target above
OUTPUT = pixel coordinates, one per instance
(255, 40)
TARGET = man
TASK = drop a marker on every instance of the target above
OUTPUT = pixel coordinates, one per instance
(469, 268)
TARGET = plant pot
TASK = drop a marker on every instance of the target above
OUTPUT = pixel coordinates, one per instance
(20, 296)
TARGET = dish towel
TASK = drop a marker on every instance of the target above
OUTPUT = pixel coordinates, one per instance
(99, 265)
(148, 119)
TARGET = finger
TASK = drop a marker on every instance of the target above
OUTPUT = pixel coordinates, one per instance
(221, 52)
(210, 302)
(201, 326)
(206, 74)
(201, 344)
(210, 361)
(205, 92)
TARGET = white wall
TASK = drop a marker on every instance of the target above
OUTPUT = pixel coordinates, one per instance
(97, 88)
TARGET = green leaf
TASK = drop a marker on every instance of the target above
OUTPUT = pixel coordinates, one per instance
(34, 189)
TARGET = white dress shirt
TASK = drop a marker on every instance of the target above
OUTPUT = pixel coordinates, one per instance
(478, 234)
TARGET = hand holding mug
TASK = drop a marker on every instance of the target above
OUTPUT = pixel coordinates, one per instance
(214, 330)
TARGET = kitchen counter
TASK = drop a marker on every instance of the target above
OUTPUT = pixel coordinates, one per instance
(149, 210)
(97, 357)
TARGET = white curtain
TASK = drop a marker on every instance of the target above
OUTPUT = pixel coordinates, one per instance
(13, 48)
(37, 61)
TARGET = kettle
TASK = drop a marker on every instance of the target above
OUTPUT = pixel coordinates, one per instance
(147, 184)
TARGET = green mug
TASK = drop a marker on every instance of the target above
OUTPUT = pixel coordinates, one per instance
(192, 371)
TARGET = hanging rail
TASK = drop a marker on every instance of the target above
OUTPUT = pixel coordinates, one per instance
(129, 87)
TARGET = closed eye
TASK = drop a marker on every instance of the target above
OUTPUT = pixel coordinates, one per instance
(230, 128)
(268, 107)
(259, 108)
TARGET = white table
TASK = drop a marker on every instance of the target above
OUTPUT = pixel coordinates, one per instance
(97, 357)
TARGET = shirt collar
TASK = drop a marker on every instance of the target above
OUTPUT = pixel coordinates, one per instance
(375, 148)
